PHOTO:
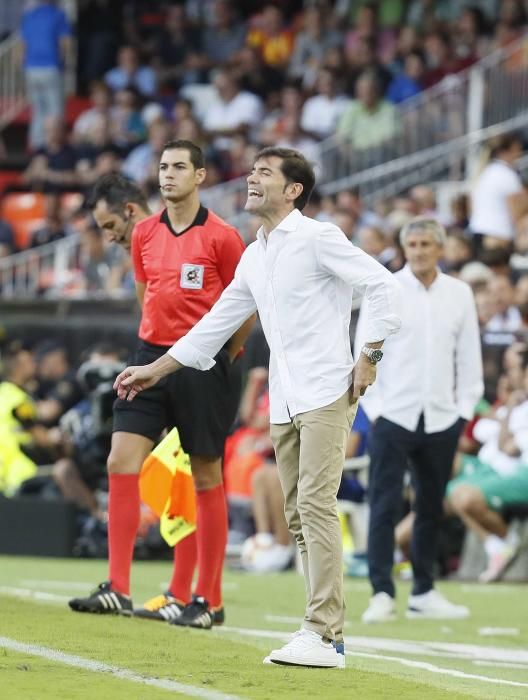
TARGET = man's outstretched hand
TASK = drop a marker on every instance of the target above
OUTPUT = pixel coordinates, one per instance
(132, 380)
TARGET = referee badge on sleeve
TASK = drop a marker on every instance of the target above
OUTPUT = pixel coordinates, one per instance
(192, 276)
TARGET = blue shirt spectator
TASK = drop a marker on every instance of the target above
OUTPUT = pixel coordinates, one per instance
(408, 83)
(129, 73)
(43, 27)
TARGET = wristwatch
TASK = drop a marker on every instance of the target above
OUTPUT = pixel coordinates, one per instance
(374, 355)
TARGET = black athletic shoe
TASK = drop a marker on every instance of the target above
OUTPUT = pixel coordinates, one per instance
(196, 614)
(103, 601)
(164, 608)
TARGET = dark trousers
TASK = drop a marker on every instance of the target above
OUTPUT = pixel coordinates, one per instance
(431, 457)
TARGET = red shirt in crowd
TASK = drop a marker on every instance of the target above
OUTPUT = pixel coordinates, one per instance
(184, 273)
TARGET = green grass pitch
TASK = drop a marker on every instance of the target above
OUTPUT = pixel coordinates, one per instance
(46, 650)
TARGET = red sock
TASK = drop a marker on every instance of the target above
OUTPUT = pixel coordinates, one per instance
(123, 523)
(185, 558)
(211, 537)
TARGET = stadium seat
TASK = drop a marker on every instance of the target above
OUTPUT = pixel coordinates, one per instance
(25, 212)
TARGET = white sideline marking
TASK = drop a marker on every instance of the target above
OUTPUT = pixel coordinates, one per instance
(423, 665)
(41, 596)
(57, 585)
(121, 673)
(478, 662)
(499, 631)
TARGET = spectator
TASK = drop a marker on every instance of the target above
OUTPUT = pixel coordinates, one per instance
(57, 388)
(273, 125)
(52, 168)
(235, 111)
(363, 58)
(54, 228)
(101, 100)
(472, 33)
(321, 113)
(458, 251)
(23, 440)
(373, 241)
(311, 45)
(369, 120)
(176, 48)
(138, 164)
(129, 73)
(127, 127)
(440, 58)
(271, 36)
(102, 27)
(506, 318)
(424, 200)
(224, 37)
(46, 41)
(408, 83)
(498, 198)
(366, 27)
(497, 478)
(256, 76)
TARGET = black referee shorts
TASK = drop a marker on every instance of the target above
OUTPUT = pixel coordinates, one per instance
(202, 405)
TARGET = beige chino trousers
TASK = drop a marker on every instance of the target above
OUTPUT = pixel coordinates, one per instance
(310, 456)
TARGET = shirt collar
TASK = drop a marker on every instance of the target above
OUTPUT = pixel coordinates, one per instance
(415, 281)
(199, 220)
(288, 224)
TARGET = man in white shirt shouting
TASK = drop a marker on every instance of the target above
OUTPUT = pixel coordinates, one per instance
(428, 384)
(300, 275)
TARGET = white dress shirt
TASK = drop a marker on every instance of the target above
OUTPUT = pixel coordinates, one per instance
(301, 279)
(434, 364)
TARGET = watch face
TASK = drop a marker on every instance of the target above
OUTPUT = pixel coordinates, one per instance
(376, 356)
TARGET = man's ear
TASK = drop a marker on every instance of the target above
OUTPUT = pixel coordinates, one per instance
(200, 175)
(293, 190)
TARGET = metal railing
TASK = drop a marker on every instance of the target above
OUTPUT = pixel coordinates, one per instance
(12, 85)
(44, 271)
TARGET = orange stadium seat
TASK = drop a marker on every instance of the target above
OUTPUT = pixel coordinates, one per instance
(25, 211)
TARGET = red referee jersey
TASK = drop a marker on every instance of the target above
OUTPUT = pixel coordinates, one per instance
(184, 273)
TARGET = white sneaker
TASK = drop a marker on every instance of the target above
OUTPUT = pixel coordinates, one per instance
(307, 648)
(433, 605)
(499, 562)
(382, 608)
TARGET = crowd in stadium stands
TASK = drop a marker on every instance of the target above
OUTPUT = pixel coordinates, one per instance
(290, 73)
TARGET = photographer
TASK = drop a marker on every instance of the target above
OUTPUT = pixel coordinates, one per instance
(87, 429)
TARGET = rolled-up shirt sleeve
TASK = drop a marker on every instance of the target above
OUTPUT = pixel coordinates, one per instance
(341, 258)
(236, 304)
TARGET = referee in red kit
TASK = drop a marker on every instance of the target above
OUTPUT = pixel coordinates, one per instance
(183, 259)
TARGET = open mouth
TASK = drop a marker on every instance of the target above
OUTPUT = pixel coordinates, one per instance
(254, 194)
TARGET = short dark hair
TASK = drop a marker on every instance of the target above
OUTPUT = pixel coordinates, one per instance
(196, 155)
(295, 168)
(116, 190)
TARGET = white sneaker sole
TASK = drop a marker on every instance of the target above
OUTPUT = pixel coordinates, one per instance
(290, 660)
(341, 663)
(430, 615)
